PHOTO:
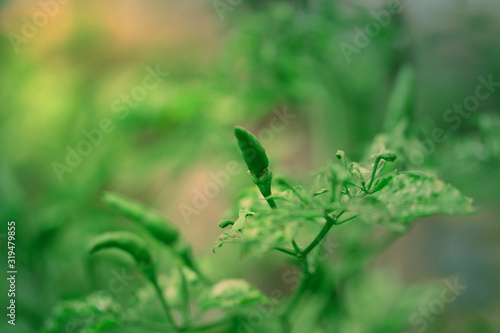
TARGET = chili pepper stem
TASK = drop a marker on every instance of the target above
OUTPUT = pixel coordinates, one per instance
(271, 203)
(185, 298)
(164, 304)
(287, 251)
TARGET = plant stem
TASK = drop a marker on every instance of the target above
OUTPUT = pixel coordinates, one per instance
(374, 171)
(92, 273)
(296, 296)
(295, 246)
(164, 304)
(346, 220)
(271, 203)
(194, 267)
(285, 324)
(185, 298)
(287, 251)
(328, 224)
(339, 214)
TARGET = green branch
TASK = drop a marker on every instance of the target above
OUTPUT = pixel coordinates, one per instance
(324, 231)
(185, 298)
(287, 251)
(164, 304)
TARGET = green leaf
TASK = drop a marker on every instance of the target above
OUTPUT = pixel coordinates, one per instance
(372, 211)
(269, 230)
(243, 217)
(402, 100)
(397, 141)
(227, 237)
(410, 195)
(233, 235)
(358, 175)
(230, 293)
(383, 294)
(262, 232)
(405, 196)
(93, 314)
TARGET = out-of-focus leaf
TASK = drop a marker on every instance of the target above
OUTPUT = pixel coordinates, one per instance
(402, 100)
(382, 294)
(94, 314)
(230, 293)
(260, 233)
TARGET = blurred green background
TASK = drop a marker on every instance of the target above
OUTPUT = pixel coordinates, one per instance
(67, 67)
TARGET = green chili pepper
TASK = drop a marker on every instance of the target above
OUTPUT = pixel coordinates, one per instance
(127, 242)
(153, 221)
(257, 162)
(123, 240)
(253, 153)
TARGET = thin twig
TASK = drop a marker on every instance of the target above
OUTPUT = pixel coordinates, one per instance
(295, 246)
(164, 304)
(185, 298)
(287, 251)
(346, 220)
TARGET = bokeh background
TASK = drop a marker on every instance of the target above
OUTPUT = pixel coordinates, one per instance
(66, 67)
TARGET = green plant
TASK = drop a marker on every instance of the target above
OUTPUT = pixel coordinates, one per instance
(352, 198)
(342, 192)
